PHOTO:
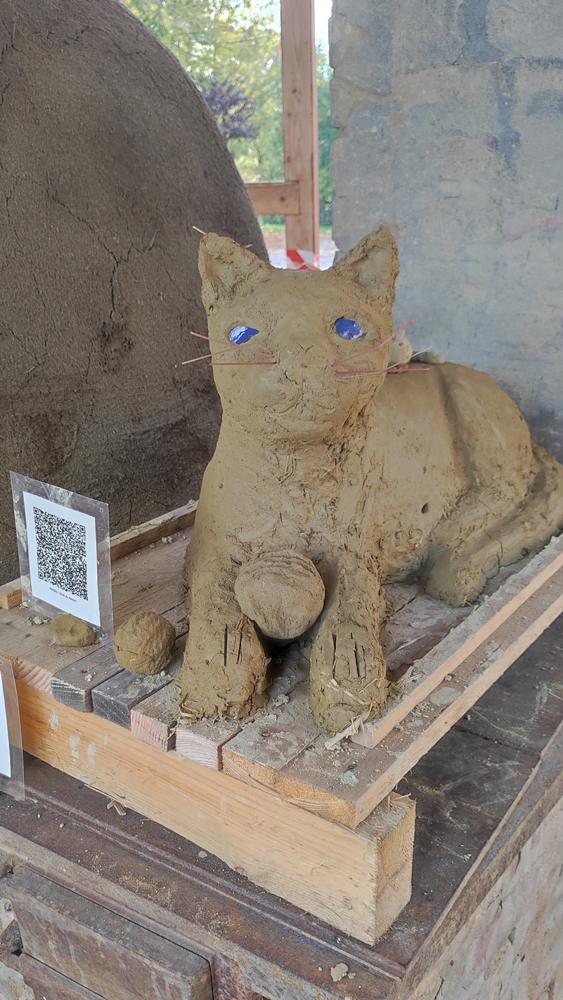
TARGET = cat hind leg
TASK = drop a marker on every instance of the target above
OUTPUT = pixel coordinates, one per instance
(458, 572)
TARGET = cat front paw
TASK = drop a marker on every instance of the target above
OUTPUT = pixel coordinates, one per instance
(348, 675)
(224, 672)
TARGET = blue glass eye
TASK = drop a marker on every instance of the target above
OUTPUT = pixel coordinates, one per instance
(242, 334)
(348, 329)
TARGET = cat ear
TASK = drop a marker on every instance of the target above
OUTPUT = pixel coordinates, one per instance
(373, 263)
(225, 267)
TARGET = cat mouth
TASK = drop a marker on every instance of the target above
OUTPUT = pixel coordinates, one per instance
(300, 405)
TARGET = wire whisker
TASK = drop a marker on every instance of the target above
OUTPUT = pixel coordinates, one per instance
(203, 357)
(358, 354)
(391, 370)
(272, 362)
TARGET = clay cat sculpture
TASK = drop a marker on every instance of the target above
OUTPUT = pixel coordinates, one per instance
(328, 467)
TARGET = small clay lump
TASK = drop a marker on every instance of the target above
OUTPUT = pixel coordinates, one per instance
(67, 630)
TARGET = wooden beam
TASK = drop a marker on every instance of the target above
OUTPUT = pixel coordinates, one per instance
(342, 876)
(155, 719)
(10, 594)
(300, 119)
(204, 741)
(275, 197)
(116, 697)
(73, 685)
(141, 535)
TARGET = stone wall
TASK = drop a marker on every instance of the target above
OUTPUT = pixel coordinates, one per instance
(451, 128)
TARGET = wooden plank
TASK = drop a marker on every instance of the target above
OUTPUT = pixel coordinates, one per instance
(164, 526)
(447, 655)
(115, 698)
(265, 746)
(27, 646)
(300, 119)
(275, 197)
(99, 949)
(345, 785)
(154, 720)
(10, 595)
(46, 983)
(279, 732)
(536, 680)
(414, 629)
(203, 742)
(151, 579)
(73, 685)
(325, 869)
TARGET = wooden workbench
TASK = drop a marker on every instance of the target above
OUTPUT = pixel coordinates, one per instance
(84, 880)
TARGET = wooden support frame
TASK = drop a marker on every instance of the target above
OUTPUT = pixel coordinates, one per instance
(363, 880)
(356, 880)
(297, 197)
(278, 770)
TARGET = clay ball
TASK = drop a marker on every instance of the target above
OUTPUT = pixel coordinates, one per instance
(66, 630)
(282, 592)
(144, 643)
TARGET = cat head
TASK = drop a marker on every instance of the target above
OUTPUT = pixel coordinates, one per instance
(298, 354)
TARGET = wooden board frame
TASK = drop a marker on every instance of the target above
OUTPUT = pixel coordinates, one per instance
(346, 809)
(356, 880)
(296, 197)
(363, 879)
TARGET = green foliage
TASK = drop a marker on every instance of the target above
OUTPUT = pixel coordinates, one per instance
(326, 135)
(238, 40)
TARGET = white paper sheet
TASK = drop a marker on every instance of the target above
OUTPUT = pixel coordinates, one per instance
(5, 763)
(62, 550)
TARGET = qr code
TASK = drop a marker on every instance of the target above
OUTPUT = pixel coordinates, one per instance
(61, 553)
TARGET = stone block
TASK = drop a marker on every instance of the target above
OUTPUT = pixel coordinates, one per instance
(532, 29)
(440, 33)
(360, 51)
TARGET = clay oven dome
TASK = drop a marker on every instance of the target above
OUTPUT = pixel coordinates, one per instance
(108, 158)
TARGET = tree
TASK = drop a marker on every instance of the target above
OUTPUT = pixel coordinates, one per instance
(236, 42)
(326, 135)
(231, 108)
(231, 50)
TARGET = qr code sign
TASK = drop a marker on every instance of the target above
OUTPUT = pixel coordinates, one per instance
(61, 553)
(64, 550)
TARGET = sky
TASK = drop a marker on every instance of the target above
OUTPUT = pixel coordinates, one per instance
(322, 13)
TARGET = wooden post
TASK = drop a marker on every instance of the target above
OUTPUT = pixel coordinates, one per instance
(300, 120)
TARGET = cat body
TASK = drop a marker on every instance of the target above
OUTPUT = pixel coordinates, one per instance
(370, 475)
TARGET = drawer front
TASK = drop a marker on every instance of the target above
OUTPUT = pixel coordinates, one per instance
(106, 954)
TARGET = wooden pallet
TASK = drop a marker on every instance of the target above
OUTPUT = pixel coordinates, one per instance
(118, 732)
(356, 880)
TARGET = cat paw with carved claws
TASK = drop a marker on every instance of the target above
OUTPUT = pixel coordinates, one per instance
(348, 675)
(224, 670)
